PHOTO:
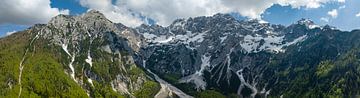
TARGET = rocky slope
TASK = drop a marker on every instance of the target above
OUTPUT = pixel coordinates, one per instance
(249, 58)
(217, 56)
(91, 53)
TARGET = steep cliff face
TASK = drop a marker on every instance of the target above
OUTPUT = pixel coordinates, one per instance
(218, 56)
(249, 58)
(219, 51)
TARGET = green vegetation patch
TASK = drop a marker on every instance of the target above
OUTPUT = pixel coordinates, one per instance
(324, 68)
(149, 89)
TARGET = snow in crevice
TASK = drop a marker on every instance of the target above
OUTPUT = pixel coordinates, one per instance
(254, 27)
(113, 87)
(251, 44)
(166, 88)
(252, 86)
(197, 78)
(65, 48)
(264, 91)
(244, 83)
(138, 44)
(222, 39)
(299, 39)
(228, 58)
(21, 66)
(72, 74)
(90, 81)
(227, 66)
(89, 59)
(313, 26)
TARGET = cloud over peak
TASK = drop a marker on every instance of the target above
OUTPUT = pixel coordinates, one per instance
(358, 14)
(135, 12)
(333, 13)
(9, 33)
(130, 12)
(27, 12)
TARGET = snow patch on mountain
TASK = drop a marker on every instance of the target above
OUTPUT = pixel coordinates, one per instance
(181, 38)
(222, 39)
(72, 67)
(90, 81)
(89, 60)
(252, 85)
(197, 77)
(254, 44)
(64, 47)
(244, 83)
(308, 23)
(21, 66)
(72, 73)
(313, 26)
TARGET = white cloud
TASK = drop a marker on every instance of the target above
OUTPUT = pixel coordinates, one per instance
(9, 33)
(166, 11)
(325, 19)
(27, 11)
(333, 13)
(358, 14)
(341, 1)
(342, 7)
(114, 13)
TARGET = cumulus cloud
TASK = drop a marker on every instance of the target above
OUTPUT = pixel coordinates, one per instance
(325, 19)
(9, 33)
(342, 7)
(341, 1)
(166, 11)
(118, 14)
(333, 13)
(358, 14)
(27, 12)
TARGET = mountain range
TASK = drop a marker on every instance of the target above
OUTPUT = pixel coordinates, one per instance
(203, 57)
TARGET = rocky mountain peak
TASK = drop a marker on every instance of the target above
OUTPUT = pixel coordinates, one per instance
(224, 16)
(61, 19)
(308, 23)
(89, 17)
(94, 12)
(305, 21)
(94, 15)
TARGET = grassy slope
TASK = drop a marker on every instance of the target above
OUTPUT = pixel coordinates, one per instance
(11, 52)
(45, 65)
(42, 76)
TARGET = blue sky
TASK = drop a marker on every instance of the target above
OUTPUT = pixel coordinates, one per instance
(346, 19)
(73, 5)
(343, 18)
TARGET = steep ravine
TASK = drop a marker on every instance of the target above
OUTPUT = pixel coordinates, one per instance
(21, 66)
(167, 90)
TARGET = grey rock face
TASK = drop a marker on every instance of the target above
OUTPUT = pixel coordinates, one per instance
(219, 51)
(91, 42)
(216, 52)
